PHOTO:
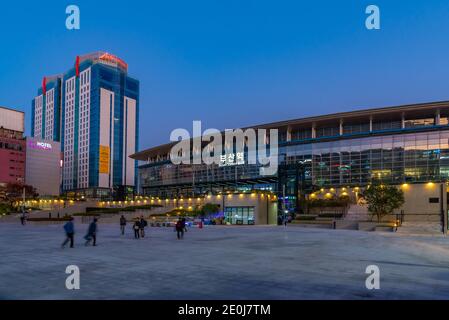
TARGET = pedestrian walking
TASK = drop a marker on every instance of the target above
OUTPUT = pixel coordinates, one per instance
(136, 228)
(184, 225)
(122, 224)
(179, 229)
(142, 225)
(69, 229)
(92, 233)
(23, 218)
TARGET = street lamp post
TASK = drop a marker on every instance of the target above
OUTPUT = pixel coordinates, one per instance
(23, 202)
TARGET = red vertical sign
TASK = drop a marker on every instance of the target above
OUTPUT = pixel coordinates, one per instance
(77, 66)
(44, 85)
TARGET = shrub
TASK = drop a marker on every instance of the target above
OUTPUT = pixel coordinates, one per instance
(305, 217)
(105, 210)
(179, 212)
(117, 210)
(314, 203)
(146, 206)
(86, 214)
(209, 208)
(331, 215)
(49, 219)
(6, 208)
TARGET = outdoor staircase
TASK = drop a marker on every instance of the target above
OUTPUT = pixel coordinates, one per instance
(420, 228)
(357, 212)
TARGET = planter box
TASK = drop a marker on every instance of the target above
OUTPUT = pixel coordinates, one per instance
(313, 224)
(367, 226)
(36, 223)
(305, 217)
(373, 226)
(346, 225)
(337, 215)
(384, 229)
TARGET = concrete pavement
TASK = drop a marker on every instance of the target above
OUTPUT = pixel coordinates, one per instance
(222, 262)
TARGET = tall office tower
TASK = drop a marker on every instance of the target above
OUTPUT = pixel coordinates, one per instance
(98, 125)
(46, 110)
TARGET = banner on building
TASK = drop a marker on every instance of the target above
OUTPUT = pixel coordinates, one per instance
(104, 159)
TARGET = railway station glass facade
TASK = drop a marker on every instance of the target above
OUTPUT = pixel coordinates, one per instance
(411, 157)
(394, 145)
(239, 215)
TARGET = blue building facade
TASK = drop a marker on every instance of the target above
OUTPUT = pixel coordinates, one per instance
(97, 126)
(46, 110)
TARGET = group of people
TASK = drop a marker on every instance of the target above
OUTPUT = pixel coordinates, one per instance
(91, 235)
(138, 227)
(140, 224)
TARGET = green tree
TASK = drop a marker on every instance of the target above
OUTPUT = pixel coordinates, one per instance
(382, 200)
(14, 192)
(209, 208)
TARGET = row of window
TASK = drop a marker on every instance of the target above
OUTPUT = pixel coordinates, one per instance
(397, 158)
(50, 95)
(69, 134)
(83, 174)
(49, 121)
(11, 146)
(16, 160)
(173, 174)
(332, 131)
(70, 85)
(85, 77)
(38, 116)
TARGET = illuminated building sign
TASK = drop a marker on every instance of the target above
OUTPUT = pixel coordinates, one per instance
(112, 60)
(40, 145)
(232, 159)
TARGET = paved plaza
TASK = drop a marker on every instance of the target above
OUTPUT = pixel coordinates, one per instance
(222, 262)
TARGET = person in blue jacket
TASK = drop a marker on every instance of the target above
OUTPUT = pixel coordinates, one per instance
(69, 229)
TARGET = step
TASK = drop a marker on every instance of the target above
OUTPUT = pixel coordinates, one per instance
(314, 225)
(424, 228)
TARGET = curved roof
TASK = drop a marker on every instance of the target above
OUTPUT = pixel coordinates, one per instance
(377, 113)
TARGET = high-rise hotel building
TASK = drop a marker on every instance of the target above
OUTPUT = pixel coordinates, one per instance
(93, 110)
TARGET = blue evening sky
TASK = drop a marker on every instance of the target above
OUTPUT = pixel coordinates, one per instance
(234, 63)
